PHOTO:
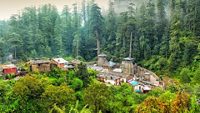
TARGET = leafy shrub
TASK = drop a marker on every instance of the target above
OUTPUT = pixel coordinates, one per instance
(77, 84)
(10, 76)
(185, 75)
(56, 72)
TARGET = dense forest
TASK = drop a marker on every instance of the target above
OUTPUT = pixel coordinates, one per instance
(166, 40)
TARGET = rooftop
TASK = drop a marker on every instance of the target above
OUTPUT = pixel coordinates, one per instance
(39, 61)
(128, 59)
(134, 83)
(8, 66)
(60, 60)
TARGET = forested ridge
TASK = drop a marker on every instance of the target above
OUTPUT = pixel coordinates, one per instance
(166, 40)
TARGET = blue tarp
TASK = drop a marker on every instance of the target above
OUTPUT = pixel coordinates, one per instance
(134, 83)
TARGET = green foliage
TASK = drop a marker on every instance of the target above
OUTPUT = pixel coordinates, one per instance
(167, 97)
(156, 92)
(97, 96)
(10, 76)
(82, 73)
(77, 84)
(75, 109)
(196, 90)
(196, 77)
(171, 37)
(4, 88)
(124, 99)
(38, 93)
(28, 90)
(57, 73)
(165, 40)
(59, 95)
(69, 58)
(92, 72)
(194, 106)
(96, 23)
(185, 75)
(180, 103)
(156, 63)
(57, 109)
(173, 87)
(152, 105)
(167, 102)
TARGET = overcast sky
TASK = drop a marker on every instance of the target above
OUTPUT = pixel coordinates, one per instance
(9, 7)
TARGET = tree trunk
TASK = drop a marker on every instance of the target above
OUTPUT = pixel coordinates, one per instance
(130, 47)
(77, 49)
(15, 53)
(124, 42)
(98, 43)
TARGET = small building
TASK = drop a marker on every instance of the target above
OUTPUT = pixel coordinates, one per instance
(138, 88)
(8, 69)
(112, 78)
(146, 89)
(101, 78)
(146, 76)
(95, 67)
(154, 80)
(61, 63)
(39, 65)
(117, 70)
(141, 88)
(102, 61)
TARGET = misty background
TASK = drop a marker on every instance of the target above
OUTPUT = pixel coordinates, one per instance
(11, 7)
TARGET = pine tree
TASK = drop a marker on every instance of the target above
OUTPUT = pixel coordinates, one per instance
(67, 32)
(110, 29)
(96, 23)
(161, 44)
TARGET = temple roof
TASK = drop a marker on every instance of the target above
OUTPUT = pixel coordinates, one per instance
(128, 59)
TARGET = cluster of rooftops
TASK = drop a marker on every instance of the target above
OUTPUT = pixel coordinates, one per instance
(39, 65)
(112, 73)
(46, 65)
